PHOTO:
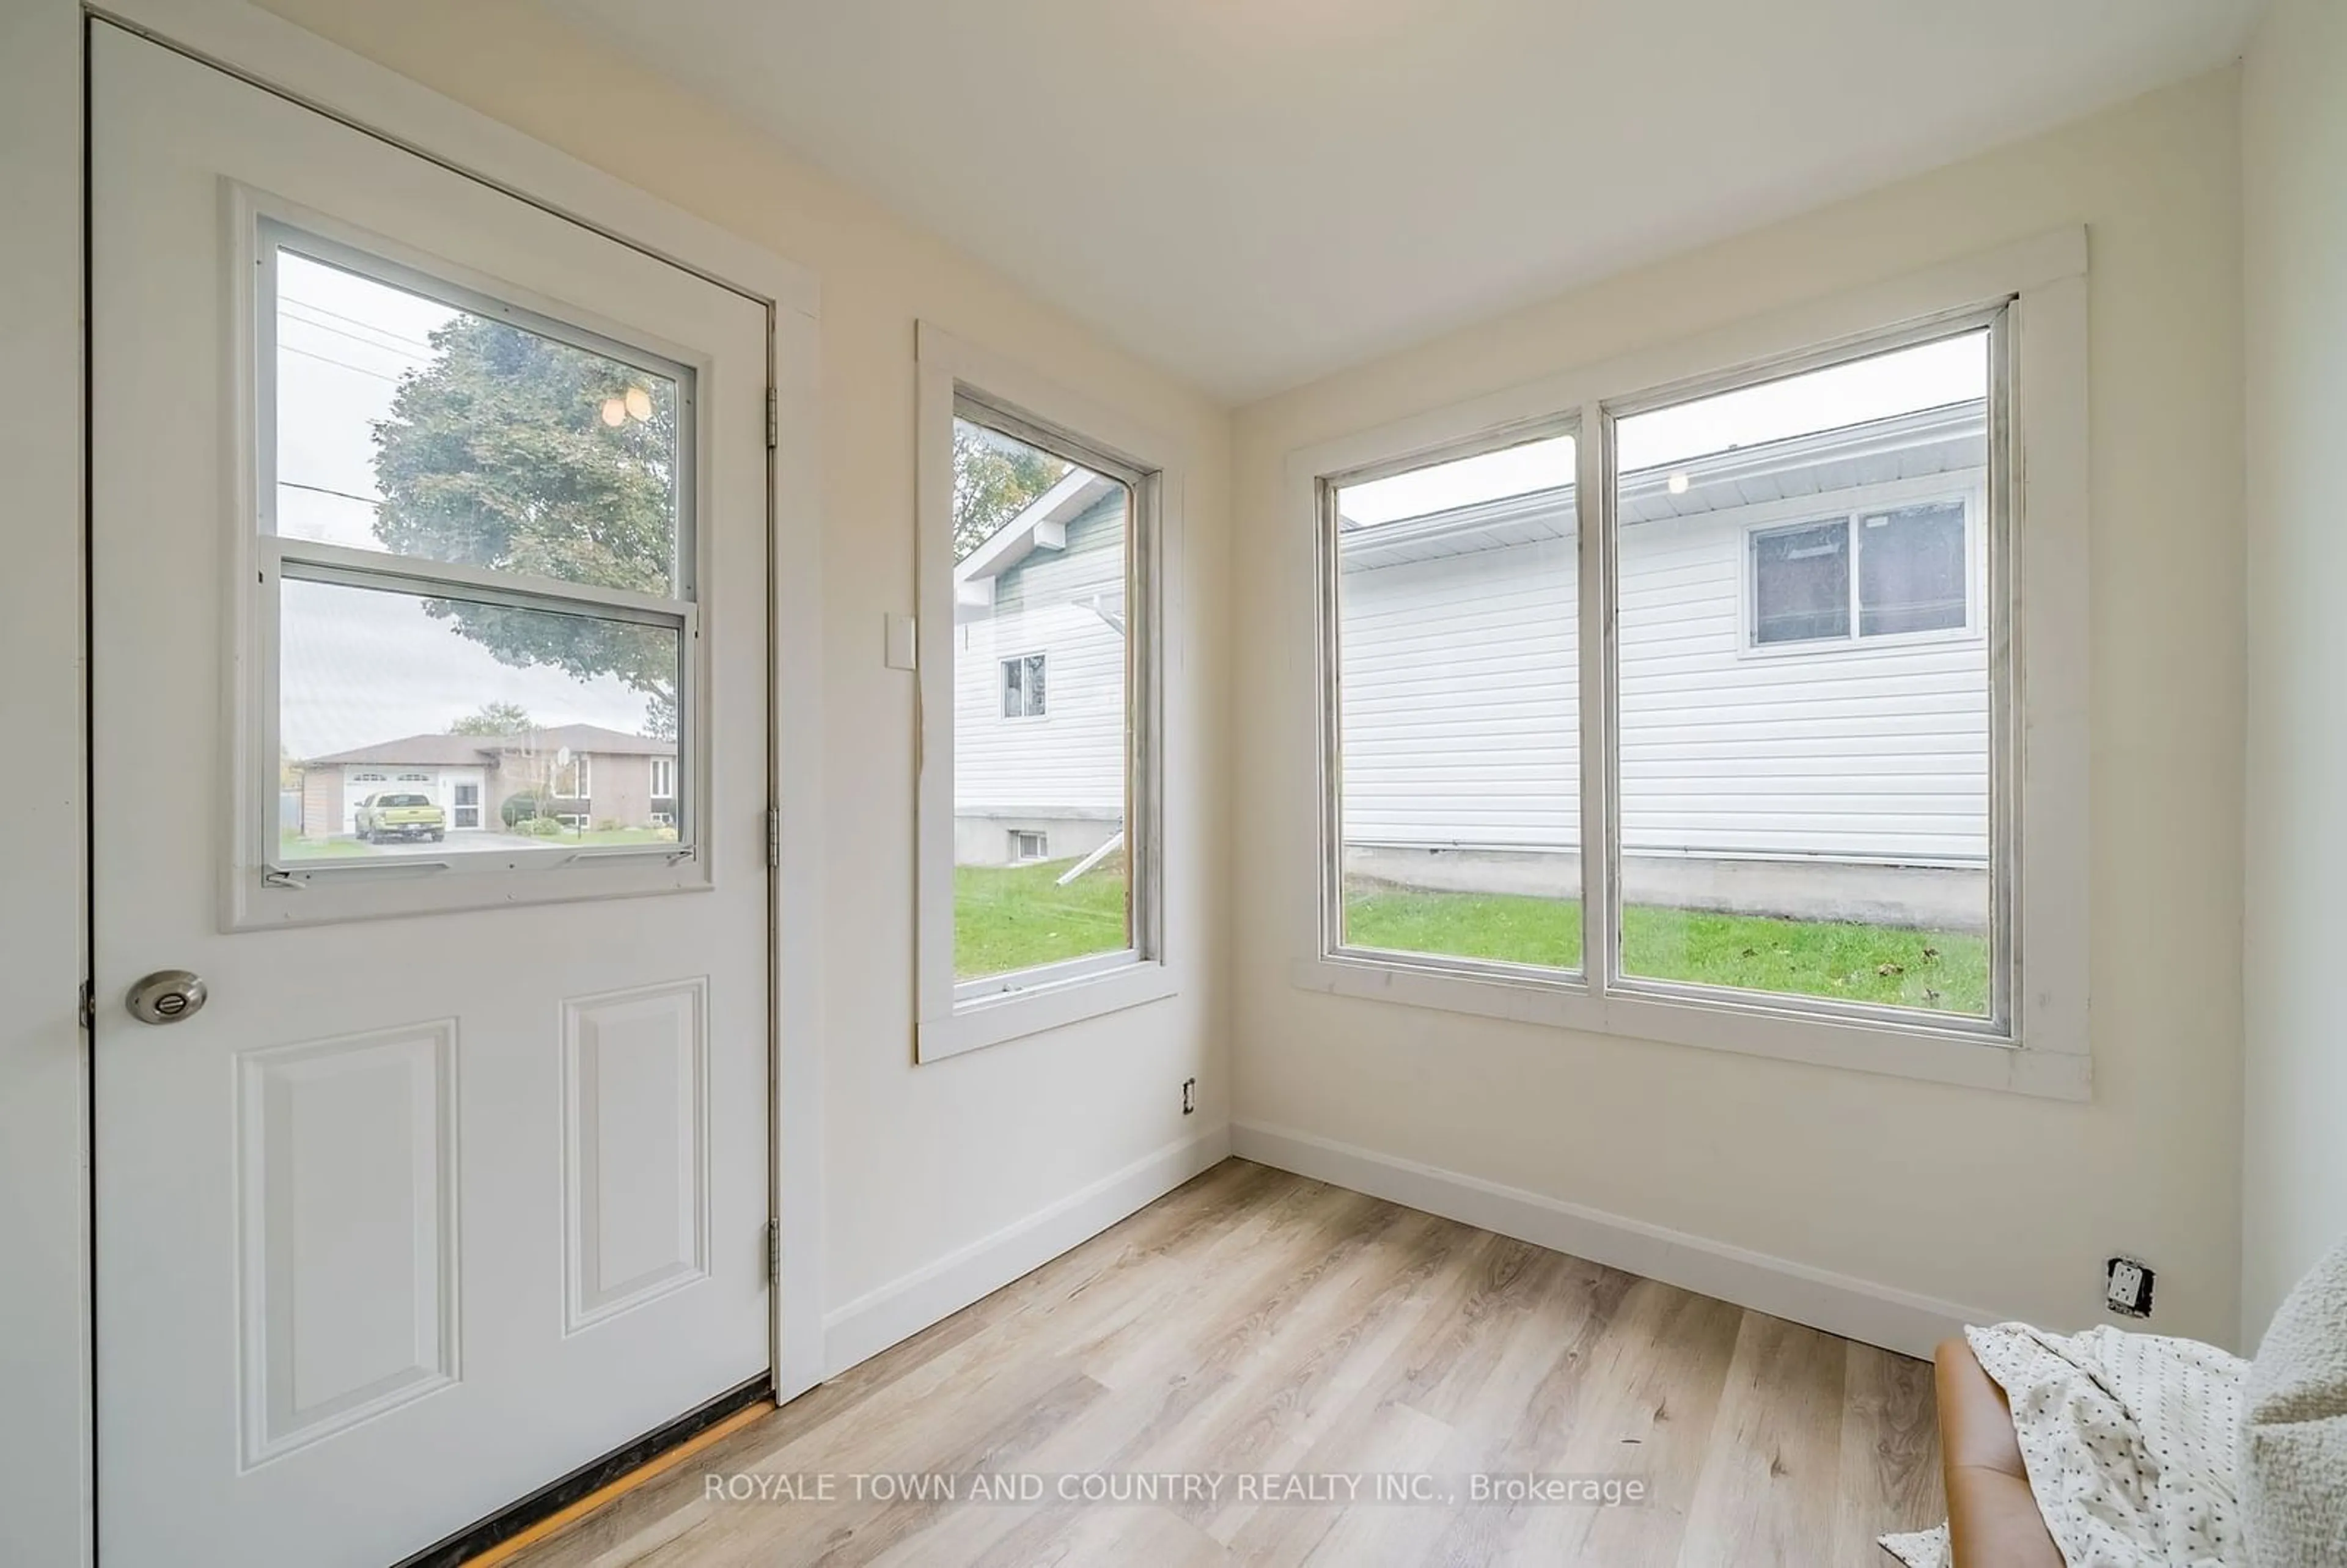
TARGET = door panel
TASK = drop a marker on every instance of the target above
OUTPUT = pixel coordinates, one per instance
(459, 1178)
(347, 1225)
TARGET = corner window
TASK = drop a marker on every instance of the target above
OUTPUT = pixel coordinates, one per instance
(1814, 828)
(1728, 738)
(1022, 687)
(475, 551)
(1040, 853)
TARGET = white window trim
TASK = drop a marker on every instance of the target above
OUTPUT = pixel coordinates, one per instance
(666, 765)
(2044, 1049)
(1791, 513)
(952, 1018)
(256, 890)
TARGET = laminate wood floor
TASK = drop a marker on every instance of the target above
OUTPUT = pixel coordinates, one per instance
(1253, 1334)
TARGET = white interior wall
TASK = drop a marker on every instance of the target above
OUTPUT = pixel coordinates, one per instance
(924, 1167)
(45, 1429)
(2294, 147)
(1973, 1195)
(1911, 1189)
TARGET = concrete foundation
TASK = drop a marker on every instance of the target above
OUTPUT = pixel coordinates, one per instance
(1935, 897)
(986, 840)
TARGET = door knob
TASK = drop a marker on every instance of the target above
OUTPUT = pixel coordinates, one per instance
(167, 996)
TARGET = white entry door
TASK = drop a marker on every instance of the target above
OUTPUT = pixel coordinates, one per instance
(456, 1177)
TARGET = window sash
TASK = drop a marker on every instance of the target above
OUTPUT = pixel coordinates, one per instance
(1143, 898)
(1600, 977)
(302, 560)
(273, 235)
(1330, 568)
(283, 556)
(1024, 690)
(1854, 538)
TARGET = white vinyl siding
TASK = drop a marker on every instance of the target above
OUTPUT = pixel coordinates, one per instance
(1866, 750)
(1069, 759)
(1461, 711)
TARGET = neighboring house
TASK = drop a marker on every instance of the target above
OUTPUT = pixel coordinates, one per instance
(1802, 683)
(1780, 751)
(605, 777)
(1039, 680)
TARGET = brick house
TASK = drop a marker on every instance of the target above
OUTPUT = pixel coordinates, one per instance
(583, 774)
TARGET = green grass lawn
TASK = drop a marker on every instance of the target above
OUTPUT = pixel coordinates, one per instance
(1942, 971)
(1010, 918)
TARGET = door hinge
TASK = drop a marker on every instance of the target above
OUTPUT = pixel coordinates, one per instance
(88, 1005)
(774, 1252)
(773, 419)
(773, 838)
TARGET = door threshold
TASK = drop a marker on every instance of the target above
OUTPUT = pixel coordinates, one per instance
(525, 1523)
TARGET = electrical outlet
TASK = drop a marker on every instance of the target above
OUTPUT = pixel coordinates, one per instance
(2126, 1287)
(1189, 1096)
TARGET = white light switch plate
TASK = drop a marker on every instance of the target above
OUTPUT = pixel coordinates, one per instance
(902, 643)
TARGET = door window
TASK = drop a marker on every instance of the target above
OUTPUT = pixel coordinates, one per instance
(477, 528)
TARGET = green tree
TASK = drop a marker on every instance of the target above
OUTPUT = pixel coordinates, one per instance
(494, 719)
(498, 453)
(995, 477)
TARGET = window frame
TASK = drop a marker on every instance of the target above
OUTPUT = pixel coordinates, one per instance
(659, 765)
(582, 779)
(1329, 576)
(953, 1016)
(261, 560)
(2036, 1041)
(1025, 716)
(1924, 491)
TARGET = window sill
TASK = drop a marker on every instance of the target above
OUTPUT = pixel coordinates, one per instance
(1013, 1015)
(1932, 1055)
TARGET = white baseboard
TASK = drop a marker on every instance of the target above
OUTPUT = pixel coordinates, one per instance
(1853, 1308)
(905, 1305)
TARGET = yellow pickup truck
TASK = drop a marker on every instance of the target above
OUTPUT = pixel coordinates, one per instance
(400, 815)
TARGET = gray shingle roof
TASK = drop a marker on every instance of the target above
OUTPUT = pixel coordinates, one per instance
(465, 751)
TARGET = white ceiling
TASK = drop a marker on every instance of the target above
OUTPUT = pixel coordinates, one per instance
(1253, 192)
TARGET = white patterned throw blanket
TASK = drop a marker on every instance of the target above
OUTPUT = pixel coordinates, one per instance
(2128, 1439)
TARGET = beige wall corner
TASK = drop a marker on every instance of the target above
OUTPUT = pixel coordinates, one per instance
(1940, 1193)
(2294, 150)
